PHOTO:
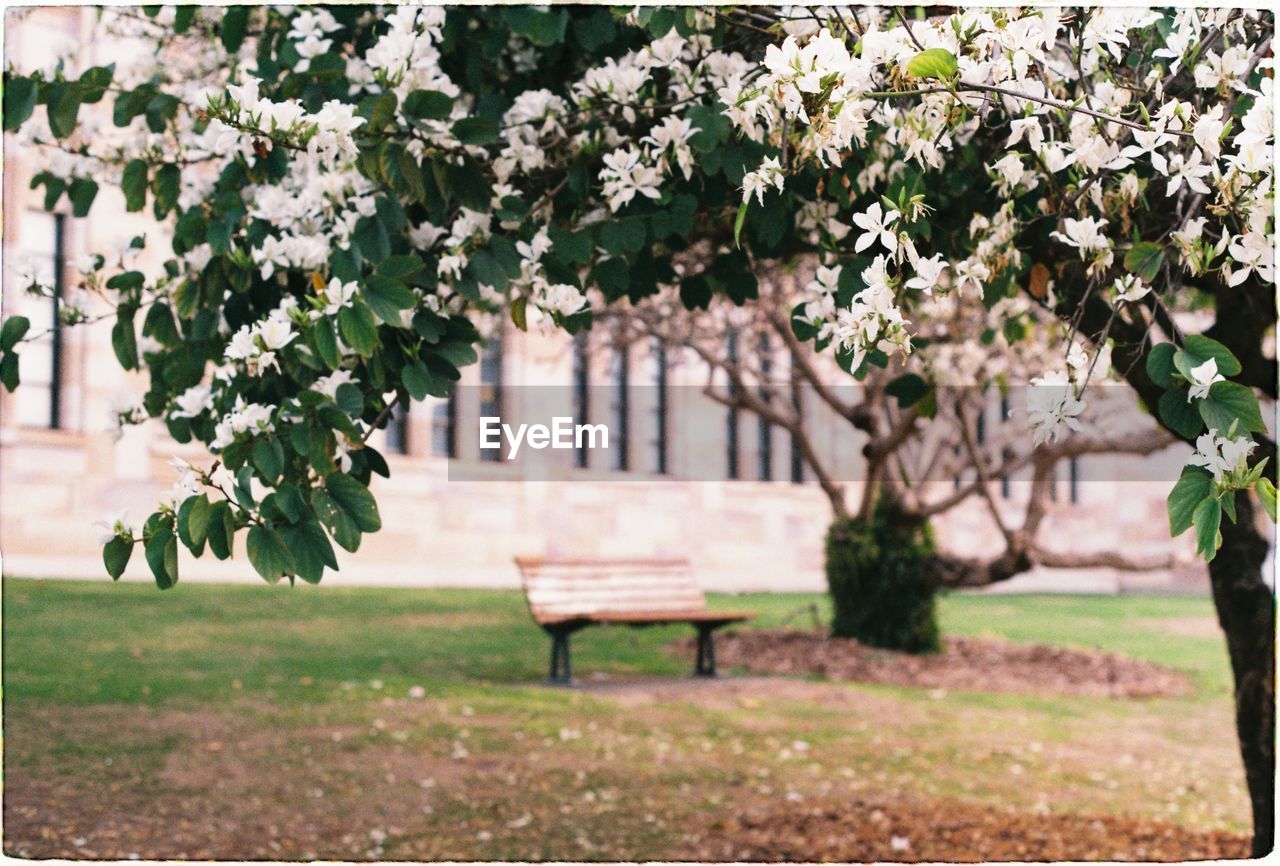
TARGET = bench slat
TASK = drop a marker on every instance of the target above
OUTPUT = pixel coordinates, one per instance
(604, 589)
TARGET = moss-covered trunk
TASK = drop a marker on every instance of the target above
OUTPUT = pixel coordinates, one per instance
(877, 576)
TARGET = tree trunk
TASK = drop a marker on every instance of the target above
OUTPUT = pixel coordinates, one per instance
(1247, 613)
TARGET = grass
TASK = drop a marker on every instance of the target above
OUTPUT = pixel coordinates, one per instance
(96, 642)
(120, 687)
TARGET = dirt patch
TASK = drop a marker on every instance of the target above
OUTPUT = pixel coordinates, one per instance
(978, 664)
(907, 831)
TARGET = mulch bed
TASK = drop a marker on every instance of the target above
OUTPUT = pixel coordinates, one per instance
(906, 831)
(977, 664)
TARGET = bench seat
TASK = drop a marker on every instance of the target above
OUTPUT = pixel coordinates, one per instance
(622, 617)
(566, 595)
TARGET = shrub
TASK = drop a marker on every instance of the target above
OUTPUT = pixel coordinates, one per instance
(876, 576)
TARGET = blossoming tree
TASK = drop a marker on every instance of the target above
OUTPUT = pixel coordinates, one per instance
(349, 189)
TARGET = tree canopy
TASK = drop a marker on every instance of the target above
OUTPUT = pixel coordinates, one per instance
(351, 192)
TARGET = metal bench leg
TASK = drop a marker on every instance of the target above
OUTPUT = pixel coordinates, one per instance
(706, 663)
(561, 668)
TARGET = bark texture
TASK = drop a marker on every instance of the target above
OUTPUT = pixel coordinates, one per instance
(1247, 612)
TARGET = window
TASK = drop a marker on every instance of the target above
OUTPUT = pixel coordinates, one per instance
(444, 427)
(38, 403)
(619, 407)
(1073, 480)
(797, 456)
(731, 469)
(397, 436)
(581, 395)
(491, 388)
(657, 360)
(1005, 453)
(764, 430)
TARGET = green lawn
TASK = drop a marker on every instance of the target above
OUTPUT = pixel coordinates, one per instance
(246, 695)
(98, 642)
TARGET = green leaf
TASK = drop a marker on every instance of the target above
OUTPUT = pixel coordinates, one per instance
(403, 268)
(268, 554)
(312, 552)
(233, 27)
(13, 330)
(1192, 488)
(64, 109)
(198, 519)
(475, 130)
(162, 556)
(127, 282)
(82, 192)
(1207, 520)
(95, 81)
(695, 292)
(1160, 364)
(358, 328)
(340, 524)
(1267, 493)
(1179, 415)
(613, 278)
(420, 381)
(19, 101)
(1228, 503)
(221, 530)
(428, 105)
(194, 541)
(268, 458)
(166, 186)
(387, 297)
(133, 183)
(356, 500)
(115, 556)
(458, 353)
(349, 399)
(1228, 403)
(9, 371)
(1201, 348)
(124, 341)
(325, 342)
(1145, 259)
(933, 63)
(739, 221)
(909, 389)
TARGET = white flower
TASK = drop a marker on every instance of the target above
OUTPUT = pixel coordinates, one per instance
(928, 272)
(192, 402)
(1010, 169)
(1207, 132)
(1084, 234)
(116, 525)
(769, 174)
(971, 274)
(624, 176)
(875, 223)
(1131, 288)
(1222, 456)
(328, 385)
(1052, 406)
(276, 332)
(1188, 170)
(338, 295)
(1203, 378)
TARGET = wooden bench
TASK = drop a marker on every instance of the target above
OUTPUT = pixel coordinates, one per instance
(566, 595)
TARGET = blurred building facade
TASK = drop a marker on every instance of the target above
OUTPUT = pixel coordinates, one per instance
(757, 525)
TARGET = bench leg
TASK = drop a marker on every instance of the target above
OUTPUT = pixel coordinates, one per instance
(706, 663)
(561, 668)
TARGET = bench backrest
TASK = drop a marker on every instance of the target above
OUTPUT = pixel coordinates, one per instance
(559, 588)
